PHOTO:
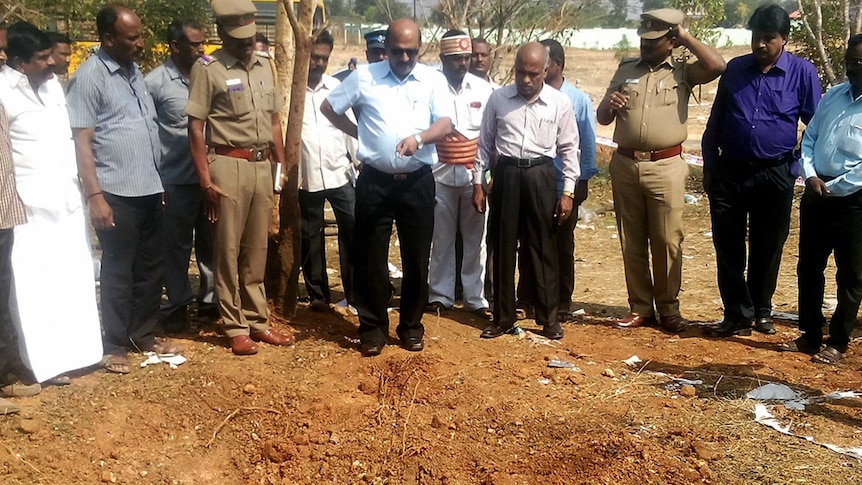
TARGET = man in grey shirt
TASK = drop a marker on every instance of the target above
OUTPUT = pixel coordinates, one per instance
(117, 146)
(184, 219)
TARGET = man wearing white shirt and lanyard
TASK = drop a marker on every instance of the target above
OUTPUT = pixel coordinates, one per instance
(830, 215)
(526, 125)
(405, 107)
(325, 174)
(454, 188)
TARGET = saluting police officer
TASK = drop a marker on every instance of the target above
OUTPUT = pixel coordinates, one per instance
(233, 94)
(648, 98)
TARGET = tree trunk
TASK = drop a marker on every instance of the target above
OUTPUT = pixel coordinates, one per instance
(292, 51)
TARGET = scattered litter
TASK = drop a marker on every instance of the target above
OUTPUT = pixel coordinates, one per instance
(608, 373)
(687, 256)
(343, 304)
(764, 417)
(691, 199)
(613, 236)
(588, 227)
(560, 364)
(793, 399)
(394, 272)
(578, 312)
(585, 214)
(633, 361)
(544, 382)
(688, 382)
(707, 234)
(786, 316)
(172, 360)
(536, 339)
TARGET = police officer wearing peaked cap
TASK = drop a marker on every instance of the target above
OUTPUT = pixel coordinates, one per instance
(233, 95)
(648, 100)
(375, 46)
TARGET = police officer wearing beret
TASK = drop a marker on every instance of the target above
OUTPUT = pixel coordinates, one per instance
(648, 99)
(233, 96)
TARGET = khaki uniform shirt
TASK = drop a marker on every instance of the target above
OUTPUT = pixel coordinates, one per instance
(236, 103)
(657, 111)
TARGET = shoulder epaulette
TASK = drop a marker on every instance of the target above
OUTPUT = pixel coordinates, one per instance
(205, 59)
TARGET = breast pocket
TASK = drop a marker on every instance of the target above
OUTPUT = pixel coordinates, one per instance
(239, 99)
(634, 91)
(851, 142)
(174, 111)
(544, 132)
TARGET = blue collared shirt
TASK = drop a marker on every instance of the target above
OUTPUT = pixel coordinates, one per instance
(170, 93)
(391, 109)
(756, 115)
(832, 144)
(585, 118)
(114, 102)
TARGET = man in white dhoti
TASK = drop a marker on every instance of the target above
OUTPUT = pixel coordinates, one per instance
(64, 335)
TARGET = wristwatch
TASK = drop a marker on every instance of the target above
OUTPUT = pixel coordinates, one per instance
(568, 194)
(419, 143)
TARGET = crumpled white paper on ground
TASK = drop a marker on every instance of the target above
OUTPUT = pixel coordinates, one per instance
(172, 360)
(764, 417)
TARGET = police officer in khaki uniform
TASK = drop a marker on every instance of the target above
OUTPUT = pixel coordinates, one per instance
(233, 96)
(648, 98)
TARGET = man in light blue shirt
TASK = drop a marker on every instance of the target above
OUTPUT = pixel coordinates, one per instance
(830, 215)
(117, 144)
(585, 118)
(404, 108)
(185, 221)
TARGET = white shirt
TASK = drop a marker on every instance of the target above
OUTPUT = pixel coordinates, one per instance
(324, 163)
(469, 104)
(392, 109)
(42, 148)
(512, 127)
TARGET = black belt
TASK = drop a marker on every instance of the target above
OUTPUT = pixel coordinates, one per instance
(394, 177)
(524, 162)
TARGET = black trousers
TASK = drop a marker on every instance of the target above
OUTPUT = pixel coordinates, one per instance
(131, 279)
(9, 358)
(409, 201)
(565, 236)
(185, 225)
(830, 225)
(757, 205)
(522, 209)
(343, 202)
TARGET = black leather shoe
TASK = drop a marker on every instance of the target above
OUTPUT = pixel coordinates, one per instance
(494, 331)
(412, 345)
(764, 325)
(728, 329)
(553, 332)
(370, 350)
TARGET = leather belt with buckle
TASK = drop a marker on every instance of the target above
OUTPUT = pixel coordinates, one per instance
(524, 162)
(643, 156)
(250, 154)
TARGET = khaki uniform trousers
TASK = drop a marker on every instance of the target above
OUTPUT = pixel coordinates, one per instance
(241, 237)
(649, 202)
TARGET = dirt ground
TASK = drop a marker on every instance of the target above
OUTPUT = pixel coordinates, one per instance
(465, 410)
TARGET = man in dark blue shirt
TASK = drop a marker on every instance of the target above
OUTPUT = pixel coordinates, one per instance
(750, 167)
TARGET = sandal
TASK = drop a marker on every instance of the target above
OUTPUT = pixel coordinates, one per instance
(117, 364)
(435, 307)
(828, 355)
(799, 345)
(484, 313)
(520, 313)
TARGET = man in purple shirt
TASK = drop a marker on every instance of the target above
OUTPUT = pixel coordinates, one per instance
(750, 168)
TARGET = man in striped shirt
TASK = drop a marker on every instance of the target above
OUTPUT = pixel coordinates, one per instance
(117, 145)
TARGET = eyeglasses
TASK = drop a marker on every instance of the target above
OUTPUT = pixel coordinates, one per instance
(411, 53)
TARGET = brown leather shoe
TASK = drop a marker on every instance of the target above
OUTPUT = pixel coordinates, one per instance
(673, 323)
(633, 320)
(272, 337)
(243, 345)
